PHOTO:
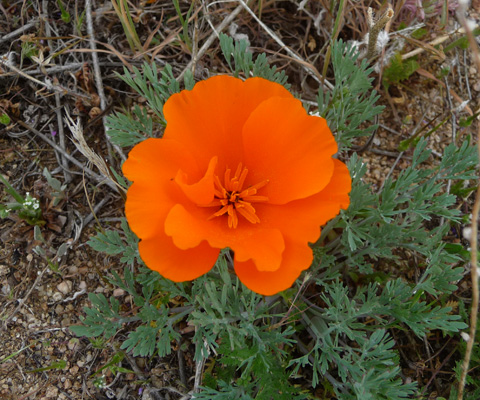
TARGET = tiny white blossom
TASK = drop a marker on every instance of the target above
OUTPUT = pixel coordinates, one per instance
(465, 336)
(467, 232)
(41, 60)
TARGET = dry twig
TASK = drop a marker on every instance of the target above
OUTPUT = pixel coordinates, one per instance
(210, 39)
(58, 109)
(475, 217)
(97, 74)
(88, 171)
(21, 302)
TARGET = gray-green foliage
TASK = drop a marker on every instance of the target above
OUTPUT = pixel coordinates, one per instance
(127, 129)
(243, 61)
(351, 103)
(256, 347)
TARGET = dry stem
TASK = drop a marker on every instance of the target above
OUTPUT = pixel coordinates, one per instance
(474, 232)
(97, 73)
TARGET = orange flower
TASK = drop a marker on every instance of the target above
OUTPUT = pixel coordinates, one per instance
(241, 165)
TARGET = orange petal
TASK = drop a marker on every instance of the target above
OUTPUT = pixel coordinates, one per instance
(200, 192)
(263, 246)
(300, 220)
(295, 259)
(152, 166)
(209, 118)
(160, 254)
(290, 148)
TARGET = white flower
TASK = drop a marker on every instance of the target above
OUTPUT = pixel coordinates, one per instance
(40, 60)
(467, 232)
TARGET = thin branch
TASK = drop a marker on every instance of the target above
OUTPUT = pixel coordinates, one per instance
(88, 171)
(17, 32)
(310, 69)
(58, 108)
(211, 38)
(97, 74)
(48, 85)
(21, 302)
(475, 217)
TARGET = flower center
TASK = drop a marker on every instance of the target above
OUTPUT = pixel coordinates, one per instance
(233, 199)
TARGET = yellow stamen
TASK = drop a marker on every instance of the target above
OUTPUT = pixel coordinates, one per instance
(233, 199)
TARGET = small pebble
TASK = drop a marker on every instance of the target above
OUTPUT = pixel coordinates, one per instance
(65, 287)
(57, 296)
(72, 270)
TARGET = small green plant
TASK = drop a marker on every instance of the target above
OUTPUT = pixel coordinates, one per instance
(4, 119)
(28, 50)
(26, 208)
(184, 22)
(398, 70)
(316, 334)
(58, 190)
(61, 364)
(123, 12)
(49, 254)
(65, 15)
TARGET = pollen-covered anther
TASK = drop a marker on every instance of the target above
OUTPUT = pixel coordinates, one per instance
(233, 199)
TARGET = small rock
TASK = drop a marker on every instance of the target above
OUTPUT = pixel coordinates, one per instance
(118, 292)
(73, 344)
(73, 270)
(6, 289)
(65, 287)
(52, 392)
(157, 382)
(57, 296)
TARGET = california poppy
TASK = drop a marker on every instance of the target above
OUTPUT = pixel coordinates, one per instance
(241, 165)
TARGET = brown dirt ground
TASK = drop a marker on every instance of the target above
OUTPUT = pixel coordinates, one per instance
(37, 304)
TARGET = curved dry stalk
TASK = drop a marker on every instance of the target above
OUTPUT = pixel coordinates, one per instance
(82, 146)
(474, 233)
